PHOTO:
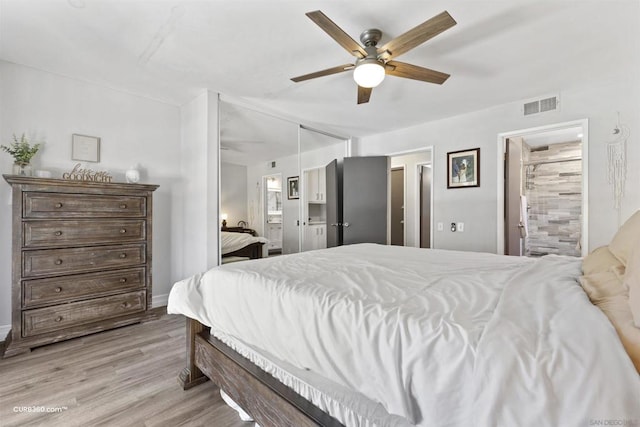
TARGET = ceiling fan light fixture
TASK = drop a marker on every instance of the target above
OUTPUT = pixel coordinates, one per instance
(369, 73)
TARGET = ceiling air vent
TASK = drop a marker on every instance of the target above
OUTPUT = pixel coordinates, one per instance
(540, 105)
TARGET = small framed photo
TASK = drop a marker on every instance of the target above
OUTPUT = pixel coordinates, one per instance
(293, 188)
(463, 168)
(85, 148)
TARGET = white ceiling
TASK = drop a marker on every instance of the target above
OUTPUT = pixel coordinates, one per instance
(500, 51)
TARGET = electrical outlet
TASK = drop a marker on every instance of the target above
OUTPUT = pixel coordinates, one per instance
(461, 227)
(453, 227)
(440, 226)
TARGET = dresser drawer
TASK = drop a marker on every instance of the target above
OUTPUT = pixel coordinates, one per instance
(66, 205)
(43, 262)
(39, 292)
(49, 319)
(82, 232)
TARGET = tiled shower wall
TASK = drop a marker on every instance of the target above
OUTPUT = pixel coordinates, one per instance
(554, 197)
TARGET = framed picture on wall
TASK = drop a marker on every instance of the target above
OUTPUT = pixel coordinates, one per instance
(463, 168)
(85, 148)
(293, 189)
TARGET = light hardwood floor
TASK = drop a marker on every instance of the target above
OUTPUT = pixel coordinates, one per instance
(123, 377)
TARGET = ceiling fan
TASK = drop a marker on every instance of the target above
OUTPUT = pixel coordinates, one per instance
(374, 62)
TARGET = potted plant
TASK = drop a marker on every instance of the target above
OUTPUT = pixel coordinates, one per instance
(22, 153)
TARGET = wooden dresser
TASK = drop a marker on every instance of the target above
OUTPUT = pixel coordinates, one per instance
(81, 259)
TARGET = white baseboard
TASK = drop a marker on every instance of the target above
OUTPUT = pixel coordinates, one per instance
(159, 300)
(4, 330)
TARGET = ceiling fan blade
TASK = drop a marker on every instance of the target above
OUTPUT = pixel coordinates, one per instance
(364, 93)
(418, 35)
(337, 33)
(409, 71)
(327, 72)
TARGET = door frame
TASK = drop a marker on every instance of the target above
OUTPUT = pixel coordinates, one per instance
(416, 193)
(419, 205)
(264, 208)
(304, 205)
(501, 141)
(402, 167)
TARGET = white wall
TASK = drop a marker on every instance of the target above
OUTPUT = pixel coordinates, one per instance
(233, 193)
(477, 207)
(200, 177)
(49, 109)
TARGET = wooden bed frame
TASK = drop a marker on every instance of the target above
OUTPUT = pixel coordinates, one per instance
(267, 400)
(253, 251)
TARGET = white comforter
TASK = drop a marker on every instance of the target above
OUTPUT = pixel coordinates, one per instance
(440, 338)
(231, 242)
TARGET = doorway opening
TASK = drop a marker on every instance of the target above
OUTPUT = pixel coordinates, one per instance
(544, 191)
(424, 178)
(417, 229)
(273, 212)
(398, 188)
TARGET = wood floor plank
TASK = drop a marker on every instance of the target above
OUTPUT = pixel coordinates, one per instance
(122, 377)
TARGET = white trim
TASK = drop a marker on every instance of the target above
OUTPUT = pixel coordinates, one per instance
(411, 151)
(418, 228)
(218, 215)
(4, 331)
(156, 301)
(300, 198)
(304, 204)
(502, 137)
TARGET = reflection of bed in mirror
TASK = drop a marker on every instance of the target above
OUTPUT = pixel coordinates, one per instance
(241, 243)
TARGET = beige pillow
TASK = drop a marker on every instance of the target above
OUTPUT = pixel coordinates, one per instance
(606, 290)
(602, 285)
(632, 283)
(599, 260)
(616, 308)
(625, 239)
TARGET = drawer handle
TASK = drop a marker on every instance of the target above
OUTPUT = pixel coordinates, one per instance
(123, 280)
(58, 289)
(58, 233)
(58, 319)
(58, 205)
(123, 206)
(123, 230)
(58, 261)
(124, 305)
(123, 255)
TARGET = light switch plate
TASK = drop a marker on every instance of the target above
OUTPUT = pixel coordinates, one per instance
(461, 227)
(440, 226)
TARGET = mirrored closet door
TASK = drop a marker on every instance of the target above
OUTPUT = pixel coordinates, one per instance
(258, 157)
(321, 157)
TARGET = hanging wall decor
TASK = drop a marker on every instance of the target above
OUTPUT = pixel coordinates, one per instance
(463, 168)
(85, 148)
(617, 162)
